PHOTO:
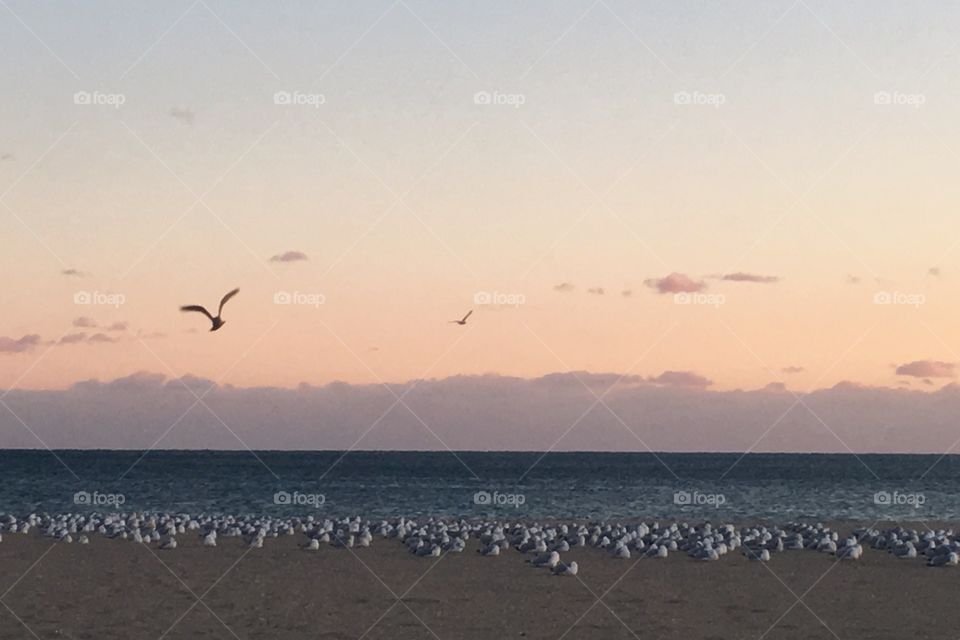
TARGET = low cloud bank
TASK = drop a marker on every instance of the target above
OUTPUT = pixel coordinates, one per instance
(481, 413)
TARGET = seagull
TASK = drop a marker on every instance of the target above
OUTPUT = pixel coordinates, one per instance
(464, 320)
(217, 322)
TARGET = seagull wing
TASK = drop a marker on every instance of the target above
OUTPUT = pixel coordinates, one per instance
(196, 307)
(225, 298)
(467, 316)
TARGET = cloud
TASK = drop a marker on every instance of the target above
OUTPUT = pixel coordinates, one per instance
(675, 283)
(84, 322)
(597, 291)
(120, 325)
(793, 369)
(626, 293)
(289, 256)
(73, 273)
(185, 116)
(563, 287)
(853, 279)
(740, 276)
(83, 338)
(7, 156)
(927, 369)
(20, 345)
(934, 271)
(487, 412)
(775, 387)
(681, 379)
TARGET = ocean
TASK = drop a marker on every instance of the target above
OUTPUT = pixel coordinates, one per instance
(715, 486)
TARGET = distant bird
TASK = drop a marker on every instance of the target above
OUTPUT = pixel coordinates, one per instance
(217, 321)
(464, 321)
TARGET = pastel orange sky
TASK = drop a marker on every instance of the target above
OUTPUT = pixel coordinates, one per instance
(792, 144)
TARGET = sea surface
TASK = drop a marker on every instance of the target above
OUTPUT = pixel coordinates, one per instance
(716, 486)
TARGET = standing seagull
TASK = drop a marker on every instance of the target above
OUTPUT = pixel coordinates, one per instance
(464, 321)
(217, 322)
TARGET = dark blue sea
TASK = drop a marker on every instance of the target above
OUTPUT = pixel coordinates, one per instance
(474, 484)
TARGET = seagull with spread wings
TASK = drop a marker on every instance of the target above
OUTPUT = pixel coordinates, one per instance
(464, 320)
(217, 321)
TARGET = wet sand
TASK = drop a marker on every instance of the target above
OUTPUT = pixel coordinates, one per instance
(117, 589)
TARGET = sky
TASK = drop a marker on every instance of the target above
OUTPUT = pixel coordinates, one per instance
(707, 196)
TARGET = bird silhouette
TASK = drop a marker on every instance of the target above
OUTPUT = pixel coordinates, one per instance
(217, 321)
(464, 321)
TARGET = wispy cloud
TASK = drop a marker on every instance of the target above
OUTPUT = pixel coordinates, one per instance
(83, 322)
(74, 273)
(927, 369)
(120, 325)
(681, 379)
(934, 271)
(740, 276)
(675, 283)
(793, 369)
(289, 256)
(563, 287)
(20, 345)
(185, 116)
(597, 291)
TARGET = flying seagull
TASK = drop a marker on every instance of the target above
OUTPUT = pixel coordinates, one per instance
(464, 321)
(217, 322)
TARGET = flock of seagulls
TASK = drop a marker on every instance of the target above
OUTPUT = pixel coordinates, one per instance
(541, 545)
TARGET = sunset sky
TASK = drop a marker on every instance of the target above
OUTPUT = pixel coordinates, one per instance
(789, 165)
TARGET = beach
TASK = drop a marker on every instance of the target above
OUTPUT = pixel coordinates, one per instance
(118, 589)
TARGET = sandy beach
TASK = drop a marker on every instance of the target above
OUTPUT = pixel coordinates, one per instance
(115, 589)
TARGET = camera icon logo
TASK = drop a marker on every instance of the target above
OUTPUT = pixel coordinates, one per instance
(682, 97)
(82, 97)
(282, 297)
(82, 497)
(482, 498)
(82, 297)
(482, 97)
(482, 297)
(282, 497)
(282, 97)
(882, 297)
(882, 97)
(682, 498)
(682, 298)
(882, 498)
